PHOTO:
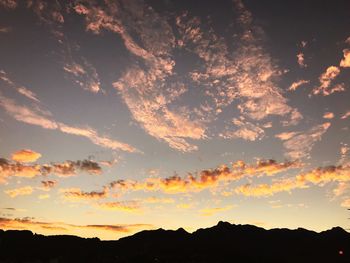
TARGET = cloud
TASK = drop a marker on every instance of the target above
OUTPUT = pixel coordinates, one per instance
(48, 185)
(347, 41)
(299, 144)
(152, 90)
(295, 85)
(76, 194)
(205, 179)
(345, 62)
(26, 190)
(286, 135)
(36, 117)
(5, 29)
(8, 169)
(345, 115)
(346, 203)
(246, 131)
(145, 91)
(328, 115)
(26, 115)
(319, 176)
(301, 60)
(25, 156)
(326, 79)
(20, 89)
(63, 169)
(93, 136)
(342, 188)
(44, 196)
(123, 206)
(8, 4)
(213, 211)
(344, 150)
(157, 200)
(75, 66)
(84, 74)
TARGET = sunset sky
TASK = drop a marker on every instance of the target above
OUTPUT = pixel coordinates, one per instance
(120, 116)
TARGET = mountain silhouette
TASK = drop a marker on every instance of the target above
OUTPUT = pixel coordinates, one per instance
(224, 242)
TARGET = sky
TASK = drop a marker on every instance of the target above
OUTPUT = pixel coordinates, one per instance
(122, 116)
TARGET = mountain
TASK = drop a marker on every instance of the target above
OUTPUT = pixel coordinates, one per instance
(224, 242)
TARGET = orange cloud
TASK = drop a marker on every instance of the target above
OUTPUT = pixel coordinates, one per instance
(265, 189)
(205, 179)
(45, 196)
(328, 115)
(184, 206)
(64, 169)
(346, 203)
(345, 62)
(297, 84)
(27, 190)
(319, 176)
(25, 156)
(345, 115)
(326, 79)
(124, 206)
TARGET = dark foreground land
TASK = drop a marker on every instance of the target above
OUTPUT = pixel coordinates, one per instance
(221, 243)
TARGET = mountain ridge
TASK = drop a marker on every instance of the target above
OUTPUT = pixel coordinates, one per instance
(223, 242)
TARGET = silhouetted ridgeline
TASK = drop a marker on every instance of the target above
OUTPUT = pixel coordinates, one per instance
(221, 243)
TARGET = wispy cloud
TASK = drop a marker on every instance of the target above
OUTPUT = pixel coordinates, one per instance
(299, 144)
(246, 130)
(20, 89)
(295, 85)
(36, 117)
(345, 115)
(319, 176)
(5, 29)
(26, 190)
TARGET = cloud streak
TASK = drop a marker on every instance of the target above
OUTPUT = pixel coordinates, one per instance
(319, 176)
(299, 144)
(37, 118)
